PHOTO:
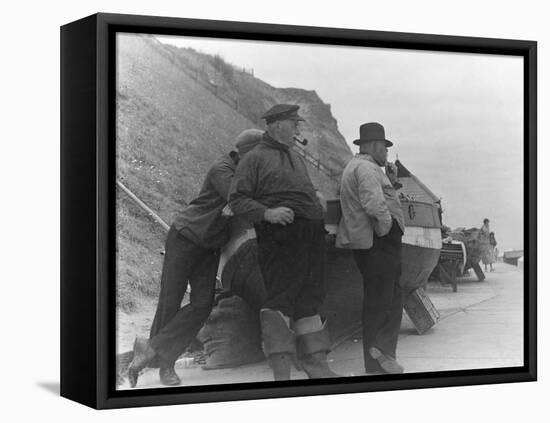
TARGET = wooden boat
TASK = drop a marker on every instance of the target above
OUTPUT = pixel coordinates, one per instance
(239, 270)
(421, 240)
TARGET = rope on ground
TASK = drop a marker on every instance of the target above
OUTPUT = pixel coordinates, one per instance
(143, 206)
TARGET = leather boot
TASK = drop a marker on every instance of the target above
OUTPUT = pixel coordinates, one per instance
(388, 364)
(143, 353)
(312, 350)
(168, 376)
(279, 343)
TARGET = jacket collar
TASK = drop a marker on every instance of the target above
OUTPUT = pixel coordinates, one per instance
(367, 157)
(284, 150)
(273, 143)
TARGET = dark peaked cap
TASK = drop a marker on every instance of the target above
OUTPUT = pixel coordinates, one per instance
(282, 112)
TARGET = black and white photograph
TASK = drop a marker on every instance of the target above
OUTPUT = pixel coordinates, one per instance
(275, 212)
(290, 211)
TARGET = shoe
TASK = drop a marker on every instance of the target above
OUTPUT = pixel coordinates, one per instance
(372, 367)
(373, 372)
(169, 377)
(388, 364)
(143, 353)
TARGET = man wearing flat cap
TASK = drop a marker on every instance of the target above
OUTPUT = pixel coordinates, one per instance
(372, 225)
(191, 257)
(272, 189)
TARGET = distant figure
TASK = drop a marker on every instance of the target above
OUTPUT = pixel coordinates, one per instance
(493, 244)
(484, 244)
(192, 255)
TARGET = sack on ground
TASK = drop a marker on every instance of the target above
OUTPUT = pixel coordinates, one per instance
(231, 335)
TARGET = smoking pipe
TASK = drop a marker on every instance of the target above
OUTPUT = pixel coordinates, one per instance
(303, 141)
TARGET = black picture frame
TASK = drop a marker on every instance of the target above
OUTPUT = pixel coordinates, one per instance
(88, 209)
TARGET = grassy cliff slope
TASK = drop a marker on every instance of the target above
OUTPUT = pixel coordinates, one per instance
(178, 110)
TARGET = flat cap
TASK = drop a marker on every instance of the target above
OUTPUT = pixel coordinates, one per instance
(282, 112)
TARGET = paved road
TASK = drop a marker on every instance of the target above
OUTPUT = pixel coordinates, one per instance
(481, 326)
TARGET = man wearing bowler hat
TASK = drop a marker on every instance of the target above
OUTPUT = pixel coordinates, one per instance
(272, 189)
(191, 257)
(372, 225)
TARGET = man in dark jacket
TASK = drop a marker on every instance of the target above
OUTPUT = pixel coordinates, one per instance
(272, 189)
(192, 255)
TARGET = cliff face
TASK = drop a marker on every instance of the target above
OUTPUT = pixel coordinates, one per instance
(321, 128)
(177, 111)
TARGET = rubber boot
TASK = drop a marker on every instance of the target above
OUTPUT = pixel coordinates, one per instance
(312, 349)
(279, 343)
(280, 364)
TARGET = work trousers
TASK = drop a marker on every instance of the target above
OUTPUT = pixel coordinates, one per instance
(292, 260)
(380, 267)
(174, 327)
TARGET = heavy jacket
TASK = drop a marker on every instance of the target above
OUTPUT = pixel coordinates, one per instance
(272, 175)
(202, 221)
(369, 204)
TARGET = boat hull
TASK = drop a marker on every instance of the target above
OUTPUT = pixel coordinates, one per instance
(420, 254)
(417, 264)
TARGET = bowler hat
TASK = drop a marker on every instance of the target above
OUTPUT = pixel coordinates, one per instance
(372, 131)
(282, 112)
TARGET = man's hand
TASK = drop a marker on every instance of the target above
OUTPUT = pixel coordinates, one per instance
(227, 212)
(279, 215)
(391, 172)
(322, 200)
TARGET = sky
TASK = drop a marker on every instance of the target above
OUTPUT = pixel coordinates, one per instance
(456, 119)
